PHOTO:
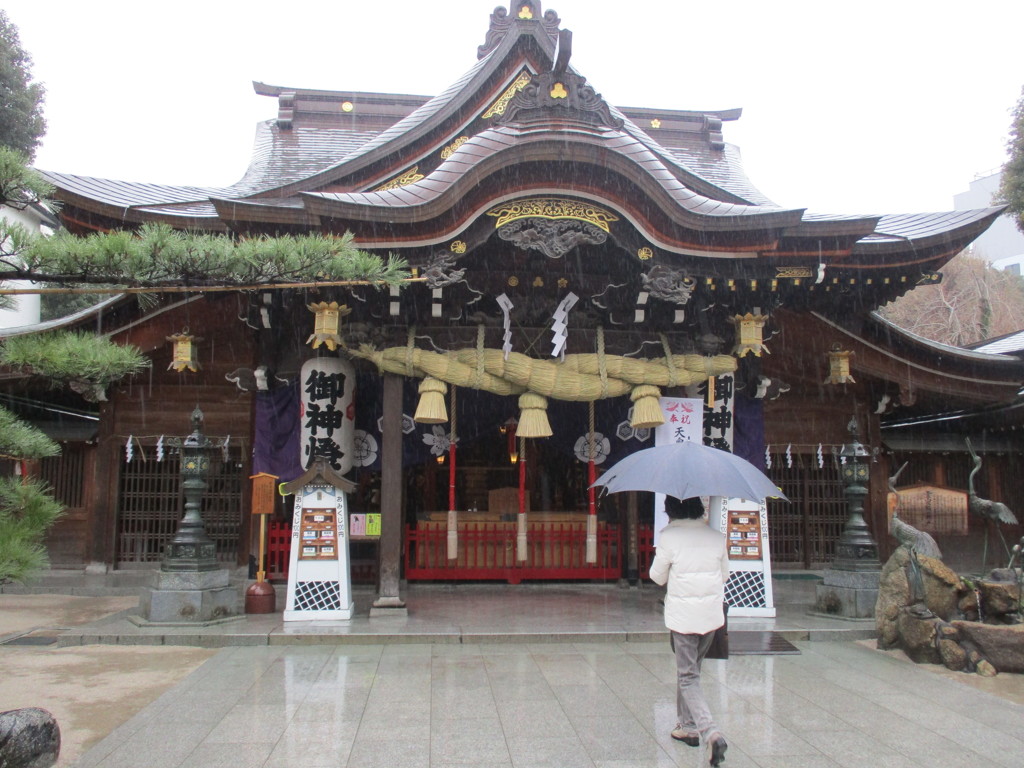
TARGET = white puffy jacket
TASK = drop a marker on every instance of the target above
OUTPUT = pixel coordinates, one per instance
(692, 559)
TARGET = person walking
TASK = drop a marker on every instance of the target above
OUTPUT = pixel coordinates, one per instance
(692, 560)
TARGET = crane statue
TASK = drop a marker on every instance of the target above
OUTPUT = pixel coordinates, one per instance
(910, 537)
(988, 510)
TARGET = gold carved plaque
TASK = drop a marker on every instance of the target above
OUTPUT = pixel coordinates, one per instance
(526, 12)
(558, 91)
(498, 107)
(790, 272)
(450, 149)
(458, 246)
(409, 177)
(644, 254)
(552, 208)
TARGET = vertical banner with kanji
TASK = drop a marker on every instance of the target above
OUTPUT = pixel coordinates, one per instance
(718, 417)
(684, 420)
(745, 523)
(327, 387)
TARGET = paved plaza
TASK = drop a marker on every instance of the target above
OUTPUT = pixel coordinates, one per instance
(585, 694)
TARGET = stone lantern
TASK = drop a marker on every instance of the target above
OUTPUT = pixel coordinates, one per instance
(190, 588)
(850, 586)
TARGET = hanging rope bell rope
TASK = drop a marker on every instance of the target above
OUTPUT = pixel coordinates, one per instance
(646, 408)
(533, 421)
(431, 409)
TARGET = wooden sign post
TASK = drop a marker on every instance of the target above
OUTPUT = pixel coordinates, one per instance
(260, 596)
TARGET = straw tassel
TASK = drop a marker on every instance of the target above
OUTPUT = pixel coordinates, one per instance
(430, 409)
(646, 408)
(533, 421)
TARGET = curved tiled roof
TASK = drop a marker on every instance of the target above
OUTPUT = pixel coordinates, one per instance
(719, 167)
(913, 226)
(129, 194)
(287, 156)
(488, 147)
(691, 179)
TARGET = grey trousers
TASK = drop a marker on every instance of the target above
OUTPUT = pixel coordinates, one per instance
(691, 707)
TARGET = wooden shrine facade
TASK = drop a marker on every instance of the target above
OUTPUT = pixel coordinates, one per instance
(519, 196)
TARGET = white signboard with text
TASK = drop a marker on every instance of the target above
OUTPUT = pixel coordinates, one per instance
(684, 421)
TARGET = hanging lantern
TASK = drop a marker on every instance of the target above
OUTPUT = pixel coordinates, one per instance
(839, 366)
(328, 318)
(646, 408)
(183, 356)
(430, 409)
(509, 429)
(533, 421)
(749, 334)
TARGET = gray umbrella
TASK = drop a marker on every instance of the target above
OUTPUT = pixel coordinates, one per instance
(689, 469)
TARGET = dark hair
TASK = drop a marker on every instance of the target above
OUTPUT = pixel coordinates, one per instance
(685, 509)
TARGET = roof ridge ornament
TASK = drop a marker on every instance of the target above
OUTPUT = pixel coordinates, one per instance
(503, 20)
(560, 94)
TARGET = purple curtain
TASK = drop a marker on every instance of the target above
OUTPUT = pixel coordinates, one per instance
(748, 430)
(278, 427)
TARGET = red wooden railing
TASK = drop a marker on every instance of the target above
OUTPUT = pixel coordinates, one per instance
(487, 551)
(644, 549)
(279, 543)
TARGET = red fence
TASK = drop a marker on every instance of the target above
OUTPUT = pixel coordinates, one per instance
(279, 543)
(487, 551)
(644, 550)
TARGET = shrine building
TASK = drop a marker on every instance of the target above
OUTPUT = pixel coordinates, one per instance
(573, 262)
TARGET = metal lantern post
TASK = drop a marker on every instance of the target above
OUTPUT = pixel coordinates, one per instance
(856, 549)
(190, 588)
(849, 587)
(191, 549)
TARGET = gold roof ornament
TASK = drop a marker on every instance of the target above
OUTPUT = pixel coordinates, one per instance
(408, 177)
(183, 356)
(552, 208)
(750, 334)
(328, 319)
(839, 366)
(499, 106)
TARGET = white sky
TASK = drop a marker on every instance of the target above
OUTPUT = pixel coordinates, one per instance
(852, 107)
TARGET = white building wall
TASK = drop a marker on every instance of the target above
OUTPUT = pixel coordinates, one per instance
(1002, 244)
(26, 310)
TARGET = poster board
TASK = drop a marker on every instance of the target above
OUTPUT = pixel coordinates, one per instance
(684, 420)
(745, 525)
(319, 579)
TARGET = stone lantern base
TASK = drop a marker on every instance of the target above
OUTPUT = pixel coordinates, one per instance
(847, 594)
(189, 598)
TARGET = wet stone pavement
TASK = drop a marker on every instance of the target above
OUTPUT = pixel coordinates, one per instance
(558, 705)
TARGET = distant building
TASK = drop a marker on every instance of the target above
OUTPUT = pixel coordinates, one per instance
(36, 219)
(1003, 243)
